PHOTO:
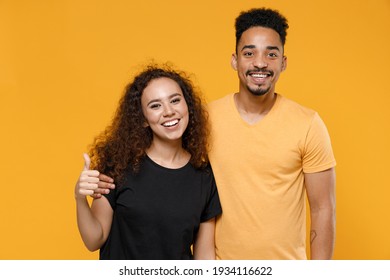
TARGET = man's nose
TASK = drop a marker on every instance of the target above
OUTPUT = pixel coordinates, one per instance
(260, 62)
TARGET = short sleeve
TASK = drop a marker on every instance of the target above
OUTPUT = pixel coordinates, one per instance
(213, 206)
(111, 197)
(318, 153)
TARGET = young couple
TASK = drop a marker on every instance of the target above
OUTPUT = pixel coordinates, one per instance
(266, 153)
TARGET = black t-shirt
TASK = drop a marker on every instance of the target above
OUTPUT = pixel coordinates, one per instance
(158, 211)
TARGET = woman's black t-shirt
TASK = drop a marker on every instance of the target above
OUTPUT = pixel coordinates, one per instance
(158, 211)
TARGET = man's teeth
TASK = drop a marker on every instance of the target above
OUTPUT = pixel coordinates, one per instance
(171, 123)
(258, 75)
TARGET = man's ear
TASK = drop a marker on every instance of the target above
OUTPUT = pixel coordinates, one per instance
(284, 63)
(233, 61)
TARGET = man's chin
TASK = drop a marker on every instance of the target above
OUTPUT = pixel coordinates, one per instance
(259, 91)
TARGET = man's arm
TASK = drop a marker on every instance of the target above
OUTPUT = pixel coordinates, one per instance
(105, 184)
(320, 189)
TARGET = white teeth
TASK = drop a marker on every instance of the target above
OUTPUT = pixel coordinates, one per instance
(171, 123)
(259, 75)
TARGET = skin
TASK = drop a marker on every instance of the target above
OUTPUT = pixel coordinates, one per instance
(94, 223)
(320, 189)
(166, 112)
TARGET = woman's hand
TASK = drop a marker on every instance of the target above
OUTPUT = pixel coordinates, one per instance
(88, 181)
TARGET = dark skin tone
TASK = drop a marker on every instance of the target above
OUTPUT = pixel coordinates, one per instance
(104, 185)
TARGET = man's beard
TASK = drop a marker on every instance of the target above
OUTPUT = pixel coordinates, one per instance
(258, 91)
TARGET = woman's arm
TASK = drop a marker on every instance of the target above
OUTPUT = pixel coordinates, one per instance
(204, 247)
(94, 222)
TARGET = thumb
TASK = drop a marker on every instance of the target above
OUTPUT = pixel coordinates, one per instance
(87, 161)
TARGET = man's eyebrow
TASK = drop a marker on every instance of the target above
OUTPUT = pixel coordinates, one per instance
(253, 47)
(271, 48)
(248, 47)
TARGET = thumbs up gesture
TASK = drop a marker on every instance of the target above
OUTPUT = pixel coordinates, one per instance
(88, 180)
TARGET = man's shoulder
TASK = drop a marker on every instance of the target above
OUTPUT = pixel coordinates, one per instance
(220, 101)
(221, 104)
(295, 107)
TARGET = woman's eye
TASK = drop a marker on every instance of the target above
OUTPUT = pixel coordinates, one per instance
(155, 106)
(175, 100)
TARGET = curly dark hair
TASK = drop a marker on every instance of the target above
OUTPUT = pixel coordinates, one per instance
(262, 17)
(124, 142)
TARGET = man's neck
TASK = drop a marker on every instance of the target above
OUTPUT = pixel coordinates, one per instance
(254, 108)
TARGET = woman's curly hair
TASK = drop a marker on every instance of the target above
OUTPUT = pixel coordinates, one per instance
(121, 146)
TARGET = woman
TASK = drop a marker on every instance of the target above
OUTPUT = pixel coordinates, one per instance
(166, 200)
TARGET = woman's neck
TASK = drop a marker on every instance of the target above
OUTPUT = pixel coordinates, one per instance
(170, 156)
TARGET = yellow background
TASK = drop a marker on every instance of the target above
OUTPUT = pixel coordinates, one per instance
(64, 64)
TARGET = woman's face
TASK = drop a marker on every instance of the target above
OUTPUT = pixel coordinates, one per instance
(165, 109)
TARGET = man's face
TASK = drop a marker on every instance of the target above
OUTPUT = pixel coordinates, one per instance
(259, 60)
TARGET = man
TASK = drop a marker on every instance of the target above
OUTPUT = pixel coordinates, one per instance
(267, 150)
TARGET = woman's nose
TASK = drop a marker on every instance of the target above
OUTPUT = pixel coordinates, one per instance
(168, 110)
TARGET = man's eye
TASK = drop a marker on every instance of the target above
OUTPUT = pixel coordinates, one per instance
(248, 54)
(272, 55)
